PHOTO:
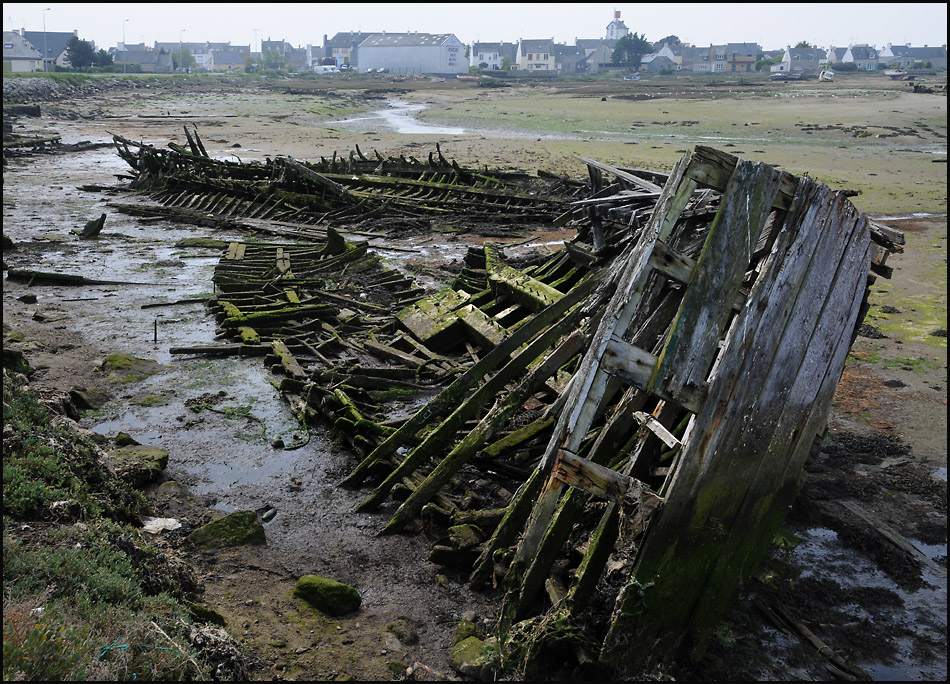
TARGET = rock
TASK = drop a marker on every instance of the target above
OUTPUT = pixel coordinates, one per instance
(465, 537)
(28, 298)
(139, 464)
(125, 439)
(464, 630)
(126, 368)
(202, 614)
(236, 529)
(475, 658)
(405, 631)
(90, 398)
(327, 595)
(14, 361)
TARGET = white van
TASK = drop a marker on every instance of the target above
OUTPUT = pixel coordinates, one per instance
(330, 69)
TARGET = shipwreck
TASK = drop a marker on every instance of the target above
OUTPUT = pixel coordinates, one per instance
(610, 437)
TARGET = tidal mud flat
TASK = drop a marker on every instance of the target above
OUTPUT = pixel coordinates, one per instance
(140, 254)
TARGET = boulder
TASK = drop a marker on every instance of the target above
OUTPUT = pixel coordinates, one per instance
(138, 464)
(327, 595)
(236, 529)
(475, 658)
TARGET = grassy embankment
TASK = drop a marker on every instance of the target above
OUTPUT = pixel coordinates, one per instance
(85, 596)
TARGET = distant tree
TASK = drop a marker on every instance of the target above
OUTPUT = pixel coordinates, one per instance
(763, 63)
(803, 44)
(506, 63)
(80, 53)
(183, 59)
(103, 59)
(272, 59)
(669, 40)
(630, 50)
(483, 65)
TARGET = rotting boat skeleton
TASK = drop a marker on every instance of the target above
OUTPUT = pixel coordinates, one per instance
(609, 436)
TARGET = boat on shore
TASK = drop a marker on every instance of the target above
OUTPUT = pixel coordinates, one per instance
(826, 75)
(896, 74)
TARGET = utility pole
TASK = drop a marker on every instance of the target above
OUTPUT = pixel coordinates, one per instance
(124, 48)
(44, 38)
(181, 68)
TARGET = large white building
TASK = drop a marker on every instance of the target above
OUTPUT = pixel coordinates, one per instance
(413, 53)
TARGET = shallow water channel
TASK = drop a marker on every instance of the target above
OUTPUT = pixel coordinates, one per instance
(400, 117)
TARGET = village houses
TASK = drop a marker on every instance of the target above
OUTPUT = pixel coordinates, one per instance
(444, 54)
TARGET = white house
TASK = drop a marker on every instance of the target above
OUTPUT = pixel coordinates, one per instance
(19, 56)
(492, 55)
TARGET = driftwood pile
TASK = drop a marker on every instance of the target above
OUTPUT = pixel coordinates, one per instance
(612, 436)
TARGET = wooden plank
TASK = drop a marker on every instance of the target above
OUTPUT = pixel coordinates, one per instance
(429, 319)
(598, 480)
(658, 429)
(482, 328)
(287, 360)
(386, 352)
(692, 343)
(448, 399)
(627, 176)
(531, 293)
(768, 398)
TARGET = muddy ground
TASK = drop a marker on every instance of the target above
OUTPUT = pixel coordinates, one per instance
(880, 479)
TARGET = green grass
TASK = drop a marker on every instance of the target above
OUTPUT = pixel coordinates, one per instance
(86, 596)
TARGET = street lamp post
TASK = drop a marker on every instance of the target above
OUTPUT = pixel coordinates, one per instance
(124, 49)
(181, 61)
(44, 38)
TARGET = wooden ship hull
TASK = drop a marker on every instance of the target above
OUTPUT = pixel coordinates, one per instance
(650, 393)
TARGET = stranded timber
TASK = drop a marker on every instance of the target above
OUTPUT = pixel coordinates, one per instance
(649, 394)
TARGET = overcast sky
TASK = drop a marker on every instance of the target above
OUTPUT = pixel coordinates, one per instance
(772, 25)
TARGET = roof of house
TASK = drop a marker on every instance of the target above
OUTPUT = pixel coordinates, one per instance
(223, 57)
(378, 40)
(348, 39)
(539, 45)
(918, 52)
(808, 54)
(569, 54)
(501, 48)
(16, 46)
(863, 52)
(55, 41)
(748, 49)
(594, 43)
(838, 52)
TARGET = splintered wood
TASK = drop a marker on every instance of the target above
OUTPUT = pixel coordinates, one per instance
(649, 393)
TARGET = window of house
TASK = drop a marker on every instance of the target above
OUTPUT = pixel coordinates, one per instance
(719, 67)
(545, 55)
(529, 56)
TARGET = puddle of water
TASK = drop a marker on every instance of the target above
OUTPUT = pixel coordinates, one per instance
(821, 553)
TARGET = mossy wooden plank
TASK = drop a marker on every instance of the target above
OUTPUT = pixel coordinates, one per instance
(430, 320)
(481, 328)
(692, 343)
(769, 398)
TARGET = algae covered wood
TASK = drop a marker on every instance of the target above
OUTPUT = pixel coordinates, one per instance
(768, 399)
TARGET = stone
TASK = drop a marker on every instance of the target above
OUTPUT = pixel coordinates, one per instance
(139, 464)
(327, 595)
(475, 658)
(236, 529)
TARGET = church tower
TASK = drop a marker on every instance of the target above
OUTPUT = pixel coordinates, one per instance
(616, 29)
